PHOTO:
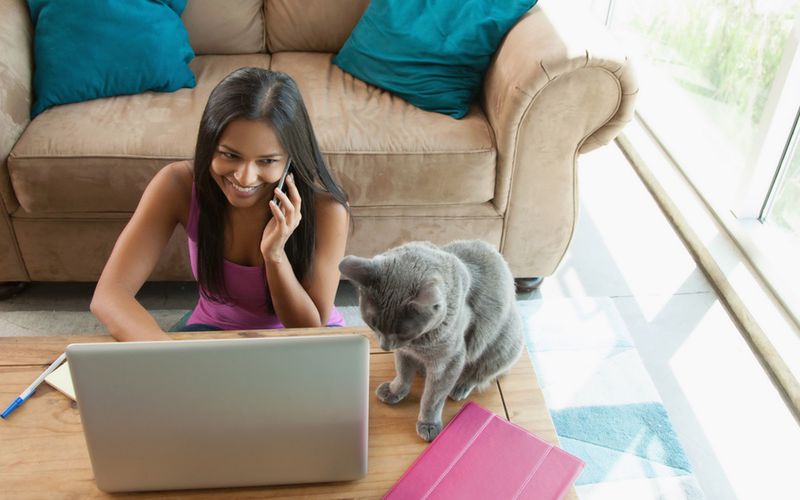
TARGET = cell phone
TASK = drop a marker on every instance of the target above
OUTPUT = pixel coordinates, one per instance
(282, 181)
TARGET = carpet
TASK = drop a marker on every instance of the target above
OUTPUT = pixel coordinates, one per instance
(604, 405)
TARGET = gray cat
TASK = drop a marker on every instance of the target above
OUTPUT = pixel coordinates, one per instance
(447, 313)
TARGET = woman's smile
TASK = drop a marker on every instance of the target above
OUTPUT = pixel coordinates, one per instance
(243, 191)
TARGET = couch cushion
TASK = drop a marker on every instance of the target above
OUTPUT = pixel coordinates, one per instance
(98, 156)
(87, 50)
(311, 25)
(386, 151)
(229, 27)
(431, 54)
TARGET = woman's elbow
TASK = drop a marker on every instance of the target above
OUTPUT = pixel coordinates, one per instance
(324, 317)
(95, 306)
(99, 305)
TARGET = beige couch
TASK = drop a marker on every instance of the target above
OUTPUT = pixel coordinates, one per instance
(506, 173)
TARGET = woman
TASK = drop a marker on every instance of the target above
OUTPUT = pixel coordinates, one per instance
(259, 264)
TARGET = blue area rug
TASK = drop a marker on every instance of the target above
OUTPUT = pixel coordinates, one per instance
(604, 405)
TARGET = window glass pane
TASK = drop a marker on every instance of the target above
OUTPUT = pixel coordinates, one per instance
(708, 73)
(785, 210)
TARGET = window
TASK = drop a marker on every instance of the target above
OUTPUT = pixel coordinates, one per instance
(720, 89)
(784, 211)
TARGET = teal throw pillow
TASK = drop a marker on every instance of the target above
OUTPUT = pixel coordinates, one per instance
(432, 53)
(86, 49)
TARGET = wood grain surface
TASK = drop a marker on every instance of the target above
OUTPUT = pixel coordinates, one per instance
(43, 452)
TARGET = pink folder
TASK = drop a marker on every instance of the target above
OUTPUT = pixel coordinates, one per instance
(481, 455)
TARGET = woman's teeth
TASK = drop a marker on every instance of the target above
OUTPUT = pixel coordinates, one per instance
(243, 189)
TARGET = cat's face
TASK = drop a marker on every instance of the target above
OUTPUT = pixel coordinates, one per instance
(397, 321)
(399, 301)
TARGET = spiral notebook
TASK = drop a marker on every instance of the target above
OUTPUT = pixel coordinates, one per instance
(481, 455)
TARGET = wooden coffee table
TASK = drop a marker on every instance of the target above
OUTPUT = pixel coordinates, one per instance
(43, 453)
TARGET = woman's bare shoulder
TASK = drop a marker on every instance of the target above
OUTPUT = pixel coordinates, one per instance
(332, 222)
(175, 184)
(328, 208)
(181, 172)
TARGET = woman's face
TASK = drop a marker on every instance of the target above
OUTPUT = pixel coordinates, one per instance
(248, 163)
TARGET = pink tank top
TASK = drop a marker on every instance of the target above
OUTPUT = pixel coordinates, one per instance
(246, 309)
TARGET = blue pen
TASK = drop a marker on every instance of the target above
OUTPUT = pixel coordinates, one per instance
(27, 392)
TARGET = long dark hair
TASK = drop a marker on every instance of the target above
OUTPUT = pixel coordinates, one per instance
(272, 97)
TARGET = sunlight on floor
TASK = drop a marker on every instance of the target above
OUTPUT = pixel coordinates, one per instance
(728, 395)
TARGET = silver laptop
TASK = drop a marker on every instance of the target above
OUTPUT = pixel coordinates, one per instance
(218, 413)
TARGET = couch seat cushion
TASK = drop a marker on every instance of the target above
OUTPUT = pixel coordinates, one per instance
(99, 155)
(386, 151)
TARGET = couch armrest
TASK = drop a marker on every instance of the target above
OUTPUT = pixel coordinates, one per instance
(558, 86)
(16, 81)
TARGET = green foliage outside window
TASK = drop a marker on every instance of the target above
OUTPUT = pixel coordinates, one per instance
(728, 51)
(734, 47)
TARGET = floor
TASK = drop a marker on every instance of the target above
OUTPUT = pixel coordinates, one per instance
(741, 440)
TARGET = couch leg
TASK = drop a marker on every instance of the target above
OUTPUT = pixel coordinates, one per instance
(10, 288)
(527, 285)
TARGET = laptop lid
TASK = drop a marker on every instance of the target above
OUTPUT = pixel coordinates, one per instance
(217, 413)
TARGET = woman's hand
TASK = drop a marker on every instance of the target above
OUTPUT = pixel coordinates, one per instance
(284, 221)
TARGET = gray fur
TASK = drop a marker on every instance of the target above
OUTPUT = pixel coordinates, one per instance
(448, 313)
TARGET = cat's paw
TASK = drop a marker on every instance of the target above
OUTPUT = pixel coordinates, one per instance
(386, 395)
(429, 430)
(461, 392)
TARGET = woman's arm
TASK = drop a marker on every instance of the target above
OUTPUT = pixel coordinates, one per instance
(163, 205)
(309, 304)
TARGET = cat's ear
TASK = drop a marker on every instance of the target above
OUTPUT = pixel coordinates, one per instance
(429, 294)
(357, 269)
